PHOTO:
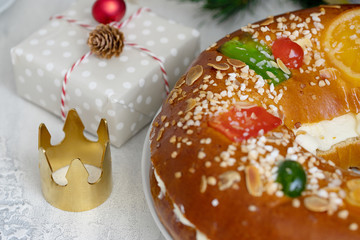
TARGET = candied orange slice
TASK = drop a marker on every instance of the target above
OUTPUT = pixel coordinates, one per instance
(342, 44)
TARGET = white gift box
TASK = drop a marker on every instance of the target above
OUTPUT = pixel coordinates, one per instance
(126, 90)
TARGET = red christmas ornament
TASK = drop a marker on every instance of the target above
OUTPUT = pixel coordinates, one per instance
(107, 11)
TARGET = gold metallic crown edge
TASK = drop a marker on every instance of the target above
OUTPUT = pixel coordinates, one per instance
(74, 151)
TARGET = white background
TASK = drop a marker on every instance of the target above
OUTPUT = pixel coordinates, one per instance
(24, 214)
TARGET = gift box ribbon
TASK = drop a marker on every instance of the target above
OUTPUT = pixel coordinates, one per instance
(118, 25)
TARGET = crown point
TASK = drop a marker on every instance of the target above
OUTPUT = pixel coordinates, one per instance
(77, 173)
(103, 133)
(73, 123)
(44, 137)
(44, 165)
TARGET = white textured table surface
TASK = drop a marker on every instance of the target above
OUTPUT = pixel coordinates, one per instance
(24, 214)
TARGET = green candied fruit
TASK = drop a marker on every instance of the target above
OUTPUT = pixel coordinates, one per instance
(256, 55)
(292, 177)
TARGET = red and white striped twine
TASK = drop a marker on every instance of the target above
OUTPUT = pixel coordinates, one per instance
(134, 45)
(70, 20)
(160, 62)
(126, 21)
(66, 77)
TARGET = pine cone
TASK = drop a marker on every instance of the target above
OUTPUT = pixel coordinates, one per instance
(106, 41)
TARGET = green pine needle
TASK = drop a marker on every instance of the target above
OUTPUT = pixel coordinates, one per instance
(309, 3)
(224, 9)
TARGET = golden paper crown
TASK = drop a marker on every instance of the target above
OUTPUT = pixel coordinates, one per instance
(74, 151)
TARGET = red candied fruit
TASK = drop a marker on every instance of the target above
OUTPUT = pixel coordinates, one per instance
(241, 123)
(289, 52)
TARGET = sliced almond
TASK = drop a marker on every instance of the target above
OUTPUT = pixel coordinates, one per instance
(267, 21)
(160, 133)
(304, 43)
(173, 95)
(203, 184)
(173, 139)
(329, 73)
(349, 198)
(219, 66)
(191, 103)
(307, 59)
(330, 6)
(270, 74)
(183, 95)
(316, 204)
(332, 188)
(180, 82)
(227, 179)
(353, 197)
(236, 63)
(254, 184)
(356, 195)
(274, 64)
(243, 105)
(194, 74)
(282, 66)
(353, 184)
(301, 132)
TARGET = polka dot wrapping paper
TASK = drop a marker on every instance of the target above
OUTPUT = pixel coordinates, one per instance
(126, 90)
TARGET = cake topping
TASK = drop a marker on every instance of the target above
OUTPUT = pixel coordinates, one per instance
(343, 214)
(353, 194)
(194, 74)
(344, 54)
(253, 208)
(231, 96)
(296, 203)
(203, 184)
(282, 66)
(289, 52)
(253, 181)
(227, 179)
(353, 226)
(215, 202)
(242, 122)
(235, 63)
(316, 204)
(256, 55)
(219, 66)
(292, 177)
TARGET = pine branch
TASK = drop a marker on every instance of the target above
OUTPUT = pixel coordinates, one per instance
(224, 9)
(309, 3)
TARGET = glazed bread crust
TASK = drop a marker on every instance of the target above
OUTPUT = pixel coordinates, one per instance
(227, 190)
